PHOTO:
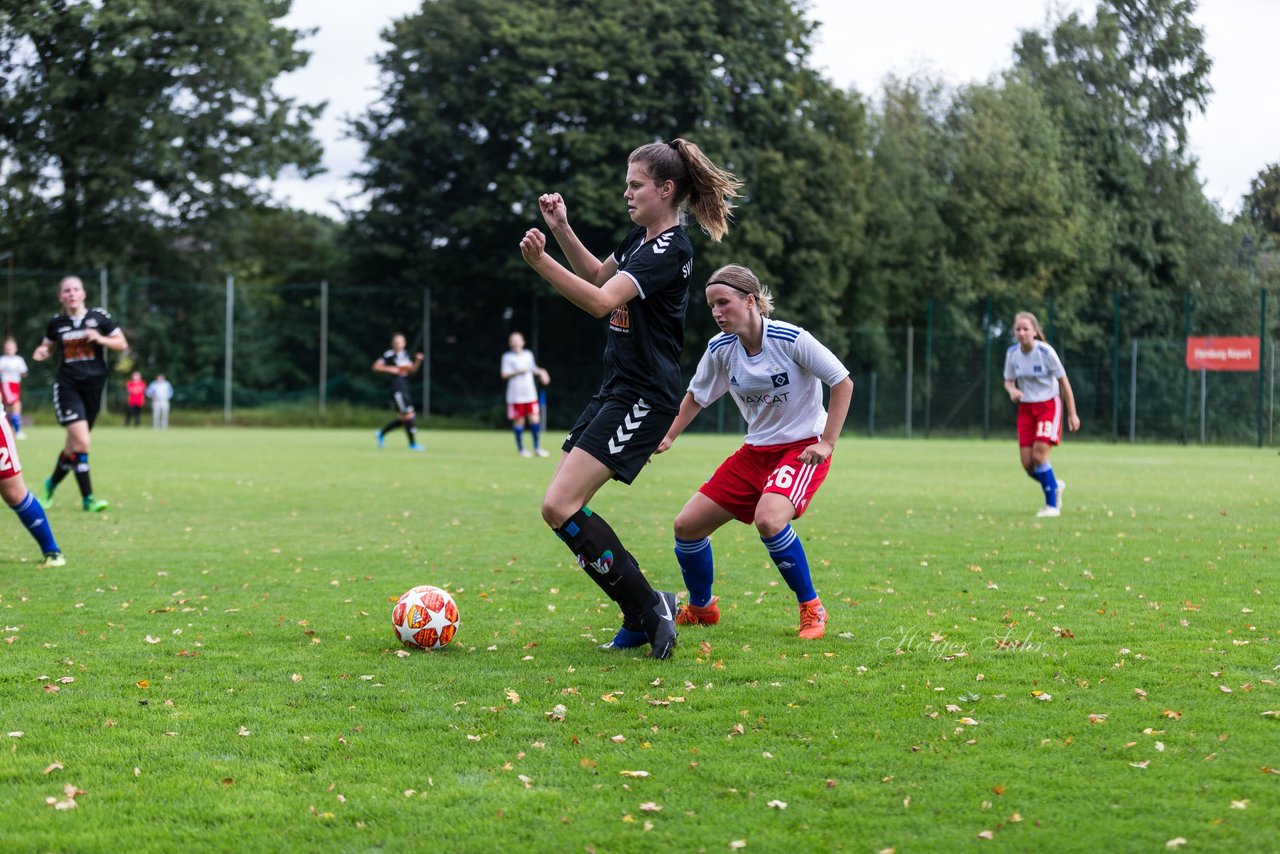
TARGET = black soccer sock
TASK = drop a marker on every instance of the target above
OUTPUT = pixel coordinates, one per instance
(62, 469)
(411, 427)
(82, 476)
(607, 562)
(391, 425)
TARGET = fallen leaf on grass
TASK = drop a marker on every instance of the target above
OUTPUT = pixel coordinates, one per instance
(150, 639)
(1171, 714)
(1176, 842)
(618, 739)
(650, 806)
(1142, 695)
(635, 774)
(557, 714)
(297, 677)
(53, 766)
(512, 696)
(778, 805)
(243, 733)
(17, 733)
(968, 721)
(1143, 764)
(1240, 805)
(987, 834)
(738, 843)
(143, 684)
(528, 783)
(1224, 689)
(1097, 719)
(51, 689)
(1271, 714)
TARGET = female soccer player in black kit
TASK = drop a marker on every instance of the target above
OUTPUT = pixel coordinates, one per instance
(643, 288)
(83, 335)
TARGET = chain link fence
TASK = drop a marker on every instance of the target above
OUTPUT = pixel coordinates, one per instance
(233, 346)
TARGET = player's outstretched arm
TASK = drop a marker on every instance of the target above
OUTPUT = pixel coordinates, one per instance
(556, 215)
(689, 410)
(1069, 399)
(596, 301)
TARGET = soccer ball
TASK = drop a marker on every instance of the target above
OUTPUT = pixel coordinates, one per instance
(425, 617)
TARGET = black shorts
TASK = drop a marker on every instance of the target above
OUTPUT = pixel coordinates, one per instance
(78, 400)
(401, 400)
(621, 432)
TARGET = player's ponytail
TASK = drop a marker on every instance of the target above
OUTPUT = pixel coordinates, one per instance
(701, 187)
(745, 282)
(1035, 324)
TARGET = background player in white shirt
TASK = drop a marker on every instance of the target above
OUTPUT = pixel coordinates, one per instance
(1037, 382)
(12, 369)
(519, 369)
(775, 372)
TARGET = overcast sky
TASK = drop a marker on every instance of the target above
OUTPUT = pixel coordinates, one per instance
(859, 42)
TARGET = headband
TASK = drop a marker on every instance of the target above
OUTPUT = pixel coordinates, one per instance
(739, 288)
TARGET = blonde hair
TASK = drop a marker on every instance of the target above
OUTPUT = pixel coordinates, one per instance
(701, 187)
(1035, 324)
(745, 282)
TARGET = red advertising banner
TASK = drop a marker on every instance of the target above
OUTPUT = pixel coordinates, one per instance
(1222, 354)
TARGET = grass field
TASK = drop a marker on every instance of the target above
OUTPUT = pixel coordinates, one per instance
(215, 666)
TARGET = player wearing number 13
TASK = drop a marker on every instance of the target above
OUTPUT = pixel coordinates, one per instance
(1037, 382)
(775, 372)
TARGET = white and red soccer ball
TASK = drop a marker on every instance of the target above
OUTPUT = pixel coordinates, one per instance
(425, 617)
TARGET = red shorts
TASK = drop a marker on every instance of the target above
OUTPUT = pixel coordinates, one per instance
(522, 410)
(9, 465)
(1040, 422)
(753, 470)
(12, 392)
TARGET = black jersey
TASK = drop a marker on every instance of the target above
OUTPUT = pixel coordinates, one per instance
(402, 360)
(81, 360)
(642, 353)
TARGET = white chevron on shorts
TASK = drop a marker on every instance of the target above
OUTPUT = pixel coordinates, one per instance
(632, 422)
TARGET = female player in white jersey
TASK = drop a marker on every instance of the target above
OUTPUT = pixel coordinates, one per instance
(1037, 382)
(775, 372)
(643, 288)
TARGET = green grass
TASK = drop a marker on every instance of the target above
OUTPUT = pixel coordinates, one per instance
(265, 563)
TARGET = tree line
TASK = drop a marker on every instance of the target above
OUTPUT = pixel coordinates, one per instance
(139, 136)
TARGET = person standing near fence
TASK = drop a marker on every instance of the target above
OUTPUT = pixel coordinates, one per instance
(520, 370)
(83, 335)
(1037, 382)
(397, 363)
(135, 391)
(13, 368)
(775, 372)
(160, 393)
(643, 288)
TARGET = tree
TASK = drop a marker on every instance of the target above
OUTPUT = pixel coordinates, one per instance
(1262, 204)
(118, 119)
(485, 107)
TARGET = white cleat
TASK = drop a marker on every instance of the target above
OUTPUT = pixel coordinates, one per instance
(1047, 511)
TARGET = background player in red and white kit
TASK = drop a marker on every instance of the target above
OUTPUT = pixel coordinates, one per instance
(643, 288)
(774, 372)
(83, 335)
(12, 369)
(520, 369)
(1037, 382)
(13, 489)
(400, 366)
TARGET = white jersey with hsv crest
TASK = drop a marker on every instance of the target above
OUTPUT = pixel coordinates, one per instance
(1037, 372)
(778, 390)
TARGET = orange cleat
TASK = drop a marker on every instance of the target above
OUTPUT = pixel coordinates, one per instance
(699, 615)
(813, 619)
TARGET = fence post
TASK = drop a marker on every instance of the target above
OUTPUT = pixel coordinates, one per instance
(426, 348)
(324, 342)
(871, 408)
(1115, 367)
(986, 368)
(1262, 350)
(226, 369)
(1133, 392)
(911, 369)
(1203, 407)
(1186, 373)
(928, 368)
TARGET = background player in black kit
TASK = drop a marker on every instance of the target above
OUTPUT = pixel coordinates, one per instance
(400, 366)
(83, 336)
(643, 288)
